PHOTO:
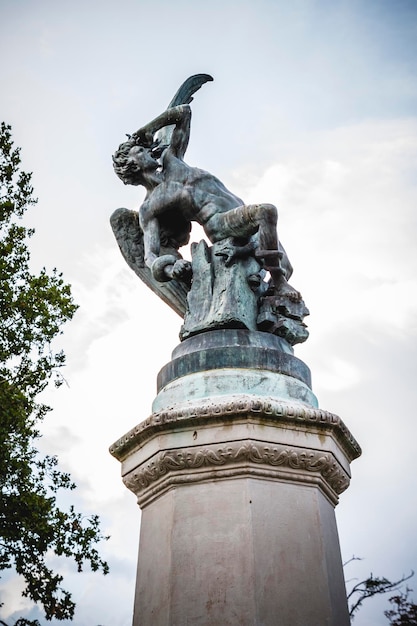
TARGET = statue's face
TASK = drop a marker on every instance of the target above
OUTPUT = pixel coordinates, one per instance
(142, 159)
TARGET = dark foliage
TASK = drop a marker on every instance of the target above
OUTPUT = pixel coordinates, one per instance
(371, 586)
(404, 612)
(33, 307)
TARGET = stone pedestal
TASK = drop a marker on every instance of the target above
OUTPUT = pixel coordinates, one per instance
(237, 472)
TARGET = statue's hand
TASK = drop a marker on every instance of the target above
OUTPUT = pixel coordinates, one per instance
(144, 137)
(168, 267)
(182, 270)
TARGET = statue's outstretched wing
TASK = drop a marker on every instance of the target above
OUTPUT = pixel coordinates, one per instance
(129, 236)
(184, 95)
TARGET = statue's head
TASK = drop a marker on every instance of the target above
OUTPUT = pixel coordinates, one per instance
(124, 167)
(132, 160)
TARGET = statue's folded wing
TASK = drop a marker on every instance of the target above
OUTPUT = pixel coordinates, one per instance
(129, 236)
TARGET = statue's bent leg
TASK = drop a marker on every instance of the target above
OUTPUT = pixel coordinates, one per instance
(244, 221)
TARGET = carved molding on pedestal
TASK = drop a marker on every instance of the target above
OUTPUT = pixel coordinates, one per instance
(237, 458)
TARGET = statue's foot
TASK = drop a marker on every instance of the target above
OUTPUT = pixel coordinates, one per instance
(291, 294)
(282, 289)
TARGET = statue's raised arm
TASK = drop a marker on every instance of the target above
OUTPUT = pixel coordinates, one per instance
(242, 279)
(179, 117)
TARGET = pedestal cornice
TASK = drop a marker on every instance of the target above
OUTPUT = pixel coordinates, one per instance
(233, 410)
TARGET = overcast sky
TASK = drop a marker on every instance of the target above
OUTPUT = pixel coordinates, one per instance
(312, 108)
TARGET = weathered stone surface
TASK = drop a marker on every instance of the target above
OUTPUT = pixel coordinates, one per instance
(244, 551)
(237, 472)
(215, 385)
(283, 317)
(238, 523)
(233, 409)
(282, 458)
(220, 296)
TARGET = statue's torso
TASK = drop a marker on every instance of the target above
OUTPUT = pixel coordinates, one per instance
(197, 194)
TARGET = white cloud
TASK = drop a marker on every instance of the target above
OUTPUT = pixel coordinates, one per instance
(348, 221)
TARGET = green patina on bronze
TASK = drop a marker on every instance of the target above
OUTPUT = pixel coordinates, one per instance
(241, 279)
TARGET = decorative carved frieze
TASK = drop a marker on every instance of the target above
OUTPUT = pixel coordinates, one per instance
(242, 456)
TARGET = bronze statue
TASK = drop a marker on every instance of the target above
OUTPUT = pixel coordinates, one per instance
(176, 195)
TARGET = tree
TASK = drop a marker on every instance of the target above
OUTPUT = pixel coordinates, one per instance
(404, 612)
(372, 586)
(33, 308)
